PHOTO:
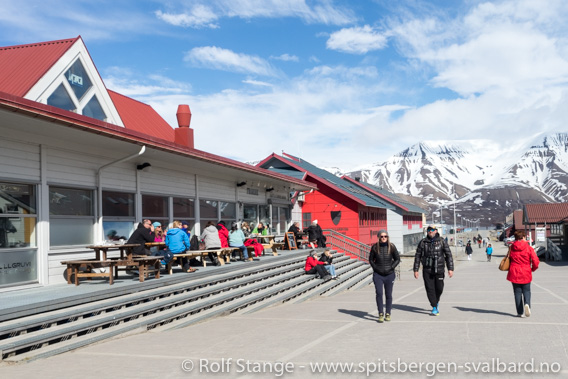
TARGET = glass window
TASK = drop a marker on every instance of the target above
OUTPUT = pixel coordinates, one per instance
(78, 79)
(17, 232)
(118, 204)
(71, 216)
(93, 109)
(70, 202)
(116, 230)
(208, 210)
(228, 211)
(184, 208)
(17, 198)
(154, 206)
(250, 215)
(61, 99)
(264, 214)
(306, 220)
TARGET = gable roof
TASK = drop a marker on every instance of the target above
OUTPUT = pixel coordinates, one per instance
(545, 213)
(23, 65)
(325, 177)
(386, 195)
(141, 117)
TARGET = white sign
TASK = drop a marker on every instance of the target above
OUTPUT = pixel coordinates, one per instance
(540, 234)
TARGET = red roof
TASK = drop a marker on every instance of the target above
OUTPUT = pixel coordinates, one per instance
(546, 213)
(518, 219)
(141, 117)
(23, 65)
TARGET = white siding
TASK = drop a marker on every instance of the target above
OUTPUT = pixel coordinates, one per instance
(216, 189)
(395, 229)
(162, 180)
(19, 160)
(66, 167)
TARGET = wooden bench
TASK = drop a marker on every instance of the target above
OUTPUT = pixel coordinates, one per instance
(84, 268)
(224, 255)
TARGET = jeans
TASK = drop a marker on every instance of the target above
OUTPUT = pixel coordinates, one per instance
(243, 249)
(522, 291)
(330, 269)
(388, 283)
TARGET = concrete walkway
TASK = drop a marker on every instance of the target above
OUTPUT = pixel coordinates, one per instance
(476, 331)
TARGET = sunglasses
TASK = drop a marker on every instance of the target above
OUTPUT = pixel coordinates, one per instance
(432, 230)
(383, 236)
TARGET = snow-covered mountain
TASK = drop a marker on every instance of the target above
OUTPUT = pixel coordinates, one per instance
(485, 180)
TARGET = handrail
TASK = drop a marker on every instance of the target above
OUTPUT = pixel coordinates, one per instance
(553, 251)
(347, 244)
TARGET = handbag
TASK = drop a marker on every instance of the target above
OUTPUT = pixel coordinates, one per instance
(505, 262)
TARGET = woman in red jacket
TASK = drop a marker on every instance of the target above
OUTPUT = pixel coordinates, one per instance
(523, 262)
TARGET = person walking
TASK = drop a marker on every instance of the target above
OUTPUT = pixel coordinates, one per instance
(468, 251)
(523, 262)
(433, 253)
(489, 251)
(384, 258)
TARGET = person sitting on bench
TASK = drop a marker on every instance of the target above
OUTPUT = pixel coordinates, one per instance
(177, 242)
(313, 266)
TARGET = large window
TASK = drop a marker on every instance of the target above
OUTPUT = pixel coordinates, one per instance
(228, 212)
(155, 208)
(306, 220)
(208, 211)
(18, 215)
(250, 214)
(118, 215)
(279, 219)
(184, 210)
(71, 216)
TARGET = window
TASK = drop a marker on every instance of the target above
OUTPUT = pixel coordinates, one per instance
(93, 109)
(61, 99)
(250, 215)
(155, 208)
(264, 215)
(279, 219)
(184, 210)
(78, 79)
(228, 212)
(306, 220)
(71, 216)
(18, 216)
(208, 211)
(118, 215)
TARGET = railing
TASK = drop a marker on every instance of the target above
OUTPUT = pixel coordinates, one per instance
(347, 244)
(553, 251)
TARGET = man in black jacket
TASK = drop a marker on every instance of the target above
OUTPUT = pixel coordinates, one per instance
(433, 252)
(144, 233)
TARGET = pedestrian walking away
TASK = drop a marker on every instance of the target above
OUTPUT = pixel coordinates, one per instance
(523, 262)
(434, 254)
(468, 251)
(489, 251)
(384, 258)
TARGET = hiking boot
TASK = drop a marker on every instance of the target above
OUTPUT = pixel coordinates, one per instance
(387, 317)
(527, 310)
(381, 318)
(435, 311)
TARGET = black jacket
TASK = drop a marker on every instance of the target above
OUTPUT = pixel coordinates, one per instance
(381, 261)
(140, 236)
(313, 233)
(468, 249)
(326, 259)
(433, 254)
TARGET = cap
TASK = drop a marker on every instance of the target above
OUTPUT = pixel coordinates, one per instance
(382, 231)
(434, 227)
(185, 223)
(156, 224)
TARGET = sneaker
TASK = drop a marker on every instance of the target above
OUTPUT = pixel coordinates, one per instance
(381, 318)
(527, 310)
(435, 311)
(521, 315)
(387, 317)
(163, 262)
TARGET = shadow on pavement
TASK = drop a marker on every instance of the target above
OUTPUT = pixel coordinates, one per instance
(359, 314)
(409, 308)
(477, 310)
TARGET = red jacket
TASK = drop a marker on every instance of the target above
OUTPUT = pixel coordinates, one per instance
(223, 235)
(523, 262)
(312, 262)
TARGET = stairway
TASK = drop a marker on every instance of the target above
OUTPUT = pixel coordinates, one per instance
(244, 288)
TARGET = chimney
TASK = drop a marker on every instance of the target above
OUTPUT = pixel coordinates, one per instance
(357, 179)
(184, 134)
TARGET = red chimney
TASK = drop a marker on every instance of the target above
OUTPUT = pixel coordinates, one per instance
(184, 134)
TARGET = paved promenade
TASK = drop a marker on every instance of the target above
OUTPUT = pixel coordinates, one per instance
(476, 331)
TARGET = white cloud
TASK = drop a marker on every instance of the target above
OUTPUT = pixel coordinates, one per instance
(227, 60)
(257, 83)
(200, 16)
(356, 40)
(286, 58)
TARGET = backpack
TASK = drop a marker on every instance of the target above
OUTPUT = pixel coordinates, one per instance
(194, 243)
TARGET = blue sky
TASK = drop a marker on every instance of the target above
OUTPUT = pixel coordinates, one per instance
(339, 83)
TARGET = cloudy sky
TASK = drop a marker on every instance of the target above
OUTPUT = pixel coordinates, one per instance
(339, 83)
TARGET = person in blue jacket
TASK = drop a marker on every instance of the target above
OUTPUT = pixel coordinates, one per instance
(489, 251)
(177, 242)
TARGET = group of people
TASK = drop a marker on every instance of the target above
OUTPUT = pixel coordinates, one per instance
(321, 266)
(315, 234)
(177, 240)
(434, 254)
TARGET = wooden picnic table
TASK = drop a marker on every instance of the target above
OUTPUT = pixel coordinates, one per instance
(126, 250)
(267, 241)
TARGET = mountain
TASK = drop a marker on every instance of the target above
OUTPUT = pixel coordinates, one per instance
(485, 181)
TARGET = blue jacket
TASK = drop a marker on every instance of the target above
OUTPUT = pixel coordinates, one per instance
(177, 241)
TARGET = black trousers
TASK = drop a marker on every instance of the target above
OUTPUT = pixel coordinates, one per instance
(319, 269)
(434, 284)
(386, 282)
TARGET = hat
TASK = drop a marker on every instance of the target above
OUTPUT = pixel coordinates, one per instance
(432, 227)
(156, 224)
(313, 252)
(185, 223)
(382, 231)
